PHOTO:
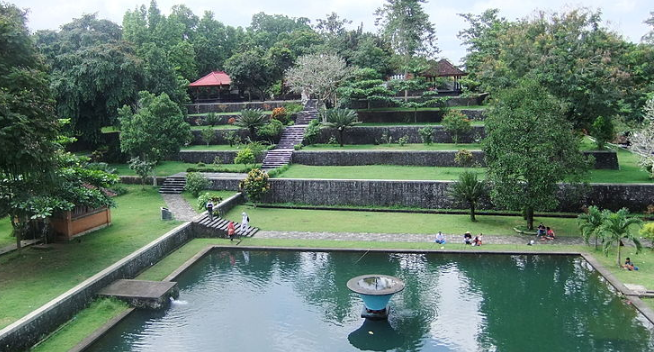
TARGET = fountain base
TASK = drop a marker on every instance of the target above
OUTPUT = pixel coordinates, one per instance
(381, 314)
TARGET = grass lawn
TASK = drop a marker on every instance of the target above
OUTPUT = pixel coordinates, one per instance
(630, 171)
(193, 200)
(33, 277)
(460, 107)
(378, 222)
(5, 232)
(376, 172)
(395, 147)
(164, 168)
(216, 127)
(216, 147)
(408, 124)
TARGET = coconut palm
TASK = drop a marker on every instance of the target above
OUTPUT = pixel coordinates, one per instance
(339, 119)
(589, 223)
(616, 227)
(469, 189)
(251, 119)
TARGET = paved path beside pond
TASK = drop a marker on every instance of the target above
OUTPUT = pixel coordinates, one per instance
(180, 208)
(409, 237)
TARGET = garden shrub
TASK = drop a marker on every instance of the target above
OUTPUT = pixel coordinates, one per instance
(426, 134)
(293, 108)
(603, 131)
(386, 138)
(464, 158)
(204, 198)
(245, 156)
(403, 140)
(456, 124)
(298, 147)
(196, 182)
(212, 119)
(312, 132)
(208, 135)
(271, 130)
(332, 140)
(280, 115)
(255, 185)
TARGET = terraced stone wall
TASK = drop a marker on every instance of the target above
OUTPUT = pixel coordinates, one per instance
(372, 135)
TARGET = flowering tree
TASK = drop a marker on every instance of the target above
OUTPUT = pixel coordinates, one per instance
(642, 142)
(255, 185)
(318, 76)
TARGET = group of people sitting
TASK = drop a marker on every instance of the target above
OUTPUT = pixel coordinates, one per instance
(545, 233)
(467, 239)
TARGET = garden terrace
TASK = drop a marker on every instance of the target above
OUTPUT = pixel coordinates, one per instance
(203, 108)
(373, 135)
(417, 116)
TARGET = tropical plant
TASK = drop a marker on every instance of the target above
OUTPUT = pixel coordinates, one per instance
(603, 131)
(469, 190)
(271, 130)
(204, 198)
(196, 182)
(648, 232)
(212, 119)
(245, 156)
(143, 168)
(312, 132)
(616, 227)
(589, 223)
(233, 138)
(403, 140)
(426, 134)
(255, 185)
(251, 119)
(340, 119)
(280, 114)
(456, 124)
(208, 135)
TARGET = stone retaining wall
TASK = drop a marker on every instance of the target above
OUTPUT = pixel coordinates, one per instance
(136, 180)
(431, 116)
(224, 184)
(29, 330)
(434, 194)
(372, 135)
(603, 159)
(202, 108)
(207, 157)
(376, 157)
(220, 136)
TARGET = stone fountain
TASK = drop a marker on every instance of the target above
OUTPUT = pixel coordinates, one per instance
(376, 291)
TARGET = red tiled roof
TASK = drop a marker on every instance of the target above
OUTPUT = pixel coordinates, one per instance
(215, 78)
(444, 68)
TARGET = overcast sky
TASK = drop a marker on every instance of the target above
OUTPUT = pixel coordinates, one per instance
(624, 16)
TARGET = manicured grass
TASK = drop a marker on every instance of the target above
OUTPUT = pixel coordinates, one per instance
(377, 172)
(226, 113)
(378, 222)
(33, 277)
(630, 171)
(164, 168)
(193, 200)
(215, 147)
(395, 147)
(216, 127)
(408, 124)
(5, 232)
(82, 325)
(460, 107)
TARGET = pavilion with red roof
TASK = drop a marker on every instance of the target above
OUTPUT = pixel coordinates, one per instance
(214, 86)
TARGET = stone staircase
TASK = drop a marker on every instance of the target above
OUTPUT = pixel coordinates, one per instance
(219, 225)
(173, 185)
(292, 135)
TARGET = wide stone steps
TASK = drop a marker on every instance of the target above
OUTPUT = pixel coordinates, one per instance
(173, 185)
(220, 224)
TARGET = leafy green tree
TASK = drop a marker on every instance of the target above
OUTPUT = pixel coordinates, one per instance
(251, 71)
(365, 84)
(196, 182)
(312, 132)
(406, 26)
(456, 124)
(208, 134)
(265, 30)
(603, 130)
(589, 223)
(649, 36)
(155, 130)
(426, 134)
(214, 43)
(529, 148)
(142, 168)
(648, 232)
(255, 185)
(318, 76)
(340, 119)
(251, 119)
(616, 227)
(469, 190)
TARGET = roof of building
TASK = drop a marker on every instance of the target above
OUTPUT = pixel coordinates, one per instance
(444, 68)
(215, 78)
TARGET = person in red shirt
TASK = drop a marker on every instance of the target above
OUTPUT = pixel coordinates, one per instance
(231, 230)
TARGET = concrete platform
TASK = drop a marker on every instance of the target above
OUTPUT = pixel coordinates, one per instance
(141, 293)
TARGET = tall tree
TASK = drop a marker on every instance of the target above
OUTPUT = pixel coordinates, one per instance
(28, 126)
(264, 30)
(251, 71)
(318, 76)
(649, 36)
(214, 43)
(617, 227)
(529, 148)
(642, 141)
(406, 26)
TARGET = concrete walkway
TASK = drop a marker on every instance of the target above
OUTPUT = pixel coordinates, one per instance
(179, 207)
(411, 237)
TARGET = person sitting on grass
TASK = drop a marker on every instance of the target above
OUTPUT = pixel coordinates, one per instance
(541, 232)
(629, 266)
(467, 238)
(478, 240)
(550, 235)
(440, 239)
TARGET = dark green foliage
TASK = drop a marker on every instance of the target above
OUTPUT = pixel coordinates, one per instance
(143, 168)
(312, 132)
(426, 134)
(255, 185)
(233, 138)
(456, 124)
(603, 130)
(407, 27)
(340, 119)
(616, 227)
(208, 134)
(212, 119)
(271, 131)
(529, 148)
(195, 183)
(469, 190)
(245, 156)
(251, 71)
(464, 158)
(251, 119)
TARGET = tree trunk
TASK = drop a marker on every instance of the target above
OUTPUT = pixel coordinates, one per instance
(529, 212)
(154, 178)
(472, 212)
(619, 261)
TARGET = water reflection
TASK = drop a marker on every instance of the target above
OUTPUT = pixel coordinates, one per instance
(285, 300)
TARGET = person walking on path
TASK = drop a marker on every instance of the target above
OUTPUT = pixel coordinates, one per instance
(210, 209)
(245, 224)
(231, 230)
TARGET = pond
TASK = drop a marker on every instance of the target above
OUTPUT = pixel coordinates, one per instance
(298, 301)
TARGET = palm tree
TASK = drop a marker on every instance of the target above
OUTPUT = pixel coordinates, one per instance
(589, 223)
(469, 190)
(251, 119)
(339, 119)
(616, 227)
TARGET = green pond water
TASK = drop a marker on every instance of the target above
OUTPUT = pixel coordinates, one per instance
(298, 301)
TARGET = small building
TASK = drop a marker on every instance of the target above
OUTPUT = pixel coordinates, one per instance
(443, 69)
(81, 220)
(212, 88)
